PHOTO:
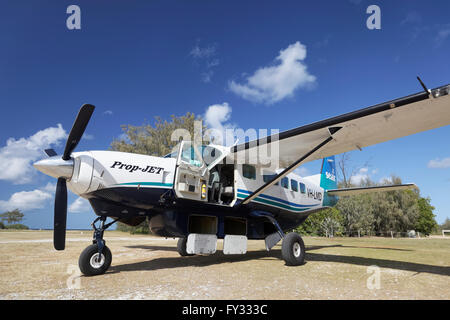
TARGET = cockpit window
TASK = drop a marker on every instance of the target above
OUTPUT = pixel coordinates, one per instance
(210, 154)
(189, 155)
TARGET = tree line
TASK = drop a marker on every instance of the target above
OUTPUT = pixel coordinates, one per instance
(377, 213)
(11, 220)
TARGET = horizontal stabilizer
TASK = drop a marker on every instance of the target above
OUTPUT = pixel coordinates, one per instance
(360, 190)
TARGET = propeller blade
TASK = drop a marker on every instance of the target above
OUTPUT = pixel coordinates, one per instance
(83, 117)
(59, 230)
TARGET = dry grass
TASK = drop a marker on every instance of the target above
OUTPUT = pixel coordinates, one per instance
(145, 267)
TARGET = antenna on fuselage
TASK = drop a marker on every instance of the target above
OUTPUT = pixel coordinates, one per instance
(423, 85)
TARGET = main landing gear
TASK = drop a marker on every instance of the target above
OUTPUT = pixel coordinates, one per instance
(293, 249)
(181, 247)
(96, 258)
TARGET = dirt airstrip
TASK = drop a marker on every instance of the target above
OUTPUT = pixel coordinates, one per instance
(146, 267)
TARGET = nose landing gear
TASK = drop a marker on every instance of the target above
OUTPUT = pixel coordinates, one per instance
(96, 259)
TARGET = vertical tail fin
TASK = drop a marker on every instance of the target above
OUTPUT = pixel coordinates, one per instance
(328, 174)
(328, 181)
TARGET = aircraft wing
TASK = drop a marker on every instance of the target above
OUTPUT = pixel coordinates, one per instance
(355, 130)
(359, 190)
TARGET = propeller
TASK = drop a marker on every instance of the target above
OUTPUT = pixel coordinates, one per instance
(60, 216)
(59, 222)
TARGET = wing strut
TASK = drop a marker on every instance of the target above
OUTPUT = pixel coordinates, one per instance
(289, 169)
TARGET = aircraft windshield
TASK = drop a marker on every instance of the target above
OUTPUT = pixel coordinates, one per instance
(189, 155)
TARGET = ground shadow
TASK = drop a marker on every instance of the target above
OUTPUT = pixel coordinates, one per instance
(219, 258)
(153, 248)
(356, 247)
(382, 263)
(194, 261)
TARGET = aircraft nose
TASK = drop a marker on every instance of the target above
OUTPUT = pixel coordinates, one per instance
(55, 167)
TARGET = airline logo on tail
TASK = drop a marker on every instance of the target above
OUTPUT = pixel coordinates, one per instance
(328, 180)
(328, 174)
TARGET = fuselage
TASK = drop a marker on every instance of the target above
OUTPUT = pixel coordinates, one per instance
(134, 186)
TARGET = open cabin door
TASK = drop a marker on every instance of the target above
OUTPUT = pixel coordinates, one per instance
(202, 175)
(191, 174)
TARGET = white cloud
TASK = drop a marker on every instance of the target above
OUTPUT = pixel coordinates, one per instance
(17, 156)
(360, 176)
(207, 75)
(274, 83)
(79, 205)
(29, 200)
(108, 112)
(216, 117)
(386, 180)
(439, 164)
(87, 136)
(302, 172)
(206, 57)
(412, 17)
(217, 114)
(442, 35)
(205, 52)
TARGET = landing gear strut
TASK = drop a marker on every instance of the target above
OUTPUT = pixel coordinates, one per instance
(96, 258)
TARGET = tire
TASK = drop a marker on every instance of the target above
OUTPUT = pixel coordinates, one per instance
(293, 249)
(181, 247)
(87, 261)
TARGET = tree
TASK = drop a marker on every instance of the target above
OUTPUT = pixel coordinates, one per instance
(425, 222)
(12, 217)
(357, 214)
(445, 225)
(155, 140)
(346, 171)
(322, 223)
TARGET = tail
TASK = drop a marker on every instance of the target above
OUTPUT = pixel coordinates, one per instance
(328, 181)
(328, 174)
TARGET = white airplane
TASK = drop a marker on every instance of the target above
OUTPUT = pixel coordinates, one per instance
(201, 199)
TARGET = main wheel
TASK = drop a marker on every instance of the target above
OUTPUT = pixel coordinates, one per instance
(181, 247)
(91, 264)
(293, 249)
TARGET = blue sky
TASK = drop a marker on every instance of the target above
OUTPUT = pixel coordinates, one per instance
(138, 59)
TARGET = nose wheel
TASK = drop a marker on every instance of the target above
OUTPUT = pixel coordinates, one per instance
(92, 263)
(96, 259)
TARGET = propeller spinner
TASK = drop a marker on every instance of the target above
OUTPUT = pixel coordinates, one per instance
(62, 168)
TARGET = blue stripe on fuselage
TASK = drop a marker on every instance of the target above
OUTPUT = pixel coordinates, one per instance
(279, 200)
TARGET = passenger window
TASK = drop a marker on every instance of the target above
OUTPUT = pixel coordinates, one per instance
(302, 188)
(294, 185)
(285, 183)
(268, 177)
(249, 172)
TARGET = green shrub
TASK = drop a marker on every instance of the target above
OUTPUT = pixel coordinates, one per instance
(17, 226)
